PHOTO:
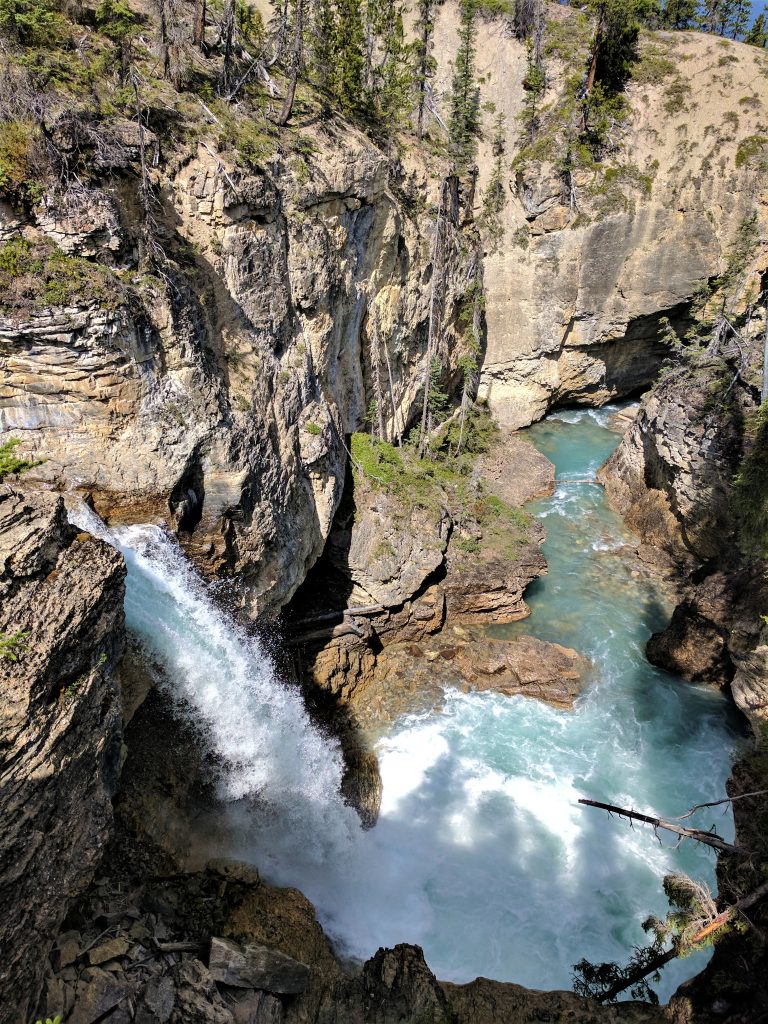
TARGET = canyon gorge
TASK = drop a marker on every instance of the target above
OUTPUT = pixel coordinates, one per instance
(353, 526)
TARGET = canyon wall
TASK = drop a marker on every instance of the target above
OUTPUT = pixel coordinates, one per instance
(588, 264)
(61, 598)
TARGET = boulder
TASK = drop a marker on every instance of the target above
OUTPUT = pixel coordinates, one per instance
(258, 967)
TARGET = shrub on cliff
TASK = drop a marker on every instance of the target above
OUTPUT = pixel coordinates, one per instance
(39, 274)
(10, 462)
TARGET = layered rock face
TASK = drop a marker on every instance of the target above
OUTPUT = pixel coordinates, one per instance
(670, 478)
(589, 262)
(61, 597)
(218, 397)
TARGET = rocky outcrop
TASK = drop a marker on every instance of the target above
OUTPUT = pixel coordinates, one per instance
(61, 595)
(217, 396)
(714, 629)
(590, 262)
(670, 477)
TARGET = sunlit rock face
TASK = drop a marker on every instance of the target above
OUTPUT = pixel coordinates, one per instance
(218, 398)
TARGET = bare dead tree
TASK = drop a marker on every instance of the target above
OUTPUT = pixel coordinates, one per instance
(699, 835)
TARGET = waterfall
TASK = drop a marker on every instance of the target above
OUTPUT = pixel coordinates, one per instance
(219, 675)
(481, 853)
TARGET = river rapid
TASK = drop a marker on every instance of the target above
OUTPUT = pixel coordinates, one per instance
(481, 854)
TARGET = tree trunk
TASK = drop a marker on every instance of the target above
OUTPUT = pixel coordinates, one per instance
(664, 958)
(227, 32)
(198, 31)
(433, 319)
(708, 838)
(296, 55)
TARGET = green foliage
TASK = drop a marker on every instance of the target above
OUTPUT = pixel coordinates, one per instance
(10, 463)
(616, 38)
(13, 645)
(464, 119)
(495, 8)
(480, 433)
(20, 177)
(605, 112)
(740, 251)
(313, 428)
(753, 151)
(349, 57)
(48, 1020)
(676, 95)
(594, 981)
(391, 67)
(534, 86)
(692, 909)
(653, 67)
(39, 274)
(116, 20)
(750, 487)
(679, 14)
(437, 398)
(32, 22)
(758, 34)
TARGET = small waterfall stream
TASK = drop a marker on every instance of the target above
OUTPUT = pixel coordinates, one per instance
(481, 854)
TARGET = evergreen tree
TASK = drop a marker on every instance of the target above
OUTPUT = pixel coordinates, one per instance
(322, 43)
(614, 43)
(393, 72)
(425, 64)
(296, 59)
(349, 57)
(758, 34)
(679, 14)
(464, 123)
(725, 17)
(534, 85)
(495, 196)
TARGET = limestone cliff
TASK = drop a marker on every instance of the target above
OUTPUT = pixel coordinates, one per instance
(61, 597)
(217, 395)
(589, 261)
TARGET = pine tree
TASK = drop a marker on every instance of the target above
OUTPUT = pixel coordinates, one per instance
(349, 49)
(725, 17)
(393, 75)
(425, 64)
(495, 196)
(296, 58)
(464, 123)
(679, 14)
(534, 85)
(758, 34)
(322, 43)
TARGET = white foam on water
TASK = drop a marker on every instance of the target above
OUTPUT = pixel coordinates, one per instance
(482, 854)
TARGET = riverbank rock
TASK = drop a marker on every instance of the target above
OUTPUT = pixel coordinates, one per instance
(526, 666)
(717, 624)
(670, 476)
(516, 471)
(61, 597)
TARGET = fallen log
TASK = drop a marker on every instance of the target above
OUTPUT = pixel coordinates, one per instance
(699, 835)
(664, 958)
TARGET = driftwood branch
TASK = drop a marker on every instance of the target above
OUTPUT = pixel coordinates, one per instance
(718, 803)
(700, 835)
(663, 958)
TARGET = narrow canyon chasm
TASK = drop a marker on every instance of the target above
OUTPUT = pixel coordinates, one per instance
(382, 472)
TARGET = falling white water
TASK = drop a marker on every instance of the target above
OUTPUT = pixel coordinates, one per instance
(481, 854)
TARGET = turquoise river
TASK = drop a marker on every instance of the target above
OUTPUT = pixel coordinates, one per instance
(482, 854)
